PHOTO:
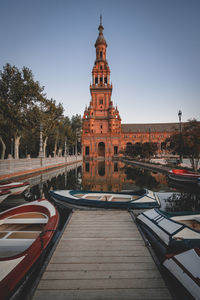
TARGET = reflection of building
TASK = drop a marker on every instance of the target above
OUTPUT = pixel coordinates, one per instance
(103, 134)
(104, 175)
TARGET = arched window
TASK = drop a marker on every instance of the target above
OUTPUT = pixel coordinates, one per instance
(101, 149)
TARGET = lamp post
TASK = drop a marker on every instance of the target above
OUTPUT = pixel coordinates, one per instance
(65, 152)
(41, 153)
(180, 129)
(76, 144)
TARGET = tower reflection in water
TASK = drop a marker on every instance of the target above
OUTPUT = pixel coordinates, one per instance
(109, 175)
(103, 175)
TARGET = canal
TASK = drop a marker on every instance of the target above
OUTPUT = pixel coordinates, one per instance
(102, 176)
(109, 176)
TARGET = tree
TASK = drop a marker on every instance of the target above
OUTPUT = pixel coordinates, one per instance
(188, 143)
(142, 150)
(50, 116)
(19, 93)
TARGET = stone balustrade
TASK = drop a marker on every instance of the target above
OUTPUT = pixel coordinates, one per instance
(10, 165)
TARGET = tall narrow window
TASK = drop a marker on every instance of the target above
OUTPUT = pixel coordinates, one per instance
(87, 150)
(101, 54)
(87, 167)
(115, 167)
(115, 150)
(101, 101)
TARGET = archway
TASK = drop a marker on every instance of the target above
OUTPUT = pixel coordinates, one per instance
(101, 149)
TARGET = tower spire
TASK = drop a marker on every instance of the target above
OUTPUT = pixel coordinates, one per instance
(100, 19)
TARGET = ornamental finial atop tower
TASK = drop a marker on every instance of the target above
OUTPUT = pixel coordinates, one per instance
(100, 39)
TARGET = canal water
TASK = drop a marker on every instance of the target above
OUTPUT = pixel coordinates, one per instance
(109, 176)
(101, 176)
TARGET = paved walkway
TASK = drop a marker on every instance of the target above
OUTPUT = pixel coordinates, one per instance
(159, 168)
(101, 256)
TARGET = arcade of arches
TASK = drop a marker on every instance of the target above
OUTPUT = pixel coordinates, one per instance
(103, 134)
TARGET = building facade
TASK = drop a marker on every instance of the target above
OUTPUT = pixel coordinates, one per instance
(103, 135)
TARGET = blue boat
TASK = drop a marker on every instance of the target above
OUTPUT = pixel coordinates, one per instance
(106, 200)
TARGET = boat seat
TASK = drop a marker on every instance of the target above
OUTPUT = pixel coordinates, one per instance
(25, 221)
(79, 195)
(105, 198)
(193, 224)
(11, 247)
(197, 219)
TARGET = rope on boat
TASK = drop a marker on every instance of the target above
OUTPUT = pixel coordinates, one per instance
(42, 234)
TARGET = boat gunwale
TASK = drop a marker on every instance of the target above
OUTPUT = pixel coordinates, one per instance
(174, 221)
(82, 202)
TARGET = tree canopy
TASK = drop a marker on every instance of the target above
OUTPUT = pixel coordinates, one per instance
(187, 143)
(24, 108)
(141, 150)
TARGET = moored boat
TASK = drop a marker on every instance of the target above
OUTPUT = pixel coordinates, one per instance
(184, 176)
(185, 267)
(171, 232)
(4, 194)
(25, 232)
(106, 200)
(15, 188)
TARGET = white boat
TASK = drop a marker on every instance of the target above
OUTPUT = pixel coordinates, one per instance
(105, 200)
(186, 268)
(15, 188)
(171, 232)
(4, 194)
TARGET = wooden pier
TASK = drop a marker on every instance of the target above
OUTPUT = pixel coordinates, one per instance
(101, 255)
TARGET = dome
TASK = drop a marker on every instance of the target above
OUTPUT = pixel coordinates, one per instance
(100, 40)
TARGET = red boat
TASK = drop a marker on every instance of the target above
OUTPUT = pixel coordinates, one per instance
(4, 194)
(184, 176)
(25, 232)
(16, 188)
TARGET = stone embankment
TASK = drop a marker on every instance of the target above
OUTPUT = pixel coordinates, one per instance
(15, 168)
(147, 165)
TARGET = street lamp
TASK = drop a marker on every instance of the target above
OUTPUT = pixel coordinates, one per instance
(180, 129)
(41, 154)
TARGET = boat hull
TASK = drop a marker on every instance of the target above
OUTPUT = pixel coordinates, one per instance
(19, 250)
(16, 188)
(72, 202)
(182, 176)
(186, 268)
(168, 235)
(4, 195)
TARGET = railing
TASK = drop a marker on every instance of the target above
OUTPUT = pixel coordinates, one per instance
(16, 165)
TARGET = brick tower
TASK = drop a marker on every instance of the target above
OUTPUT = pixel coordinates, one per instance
(101, 121)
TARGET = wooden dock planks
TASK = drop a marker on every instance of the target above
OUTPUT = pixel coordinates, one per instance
(101, 255)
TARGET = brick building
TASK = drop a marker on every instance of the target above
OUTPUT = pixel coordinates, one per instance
(103, 134)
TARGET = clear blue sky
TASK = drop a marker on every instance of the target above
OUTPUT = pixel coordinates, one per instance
(153, 52)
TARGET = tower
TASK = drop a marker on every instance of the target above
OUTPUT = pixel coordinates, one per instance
(101, 120)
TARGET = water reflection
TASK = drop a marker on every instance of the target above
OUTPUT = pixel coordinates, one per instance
(109, 176)
(103, 175)
(182, 201)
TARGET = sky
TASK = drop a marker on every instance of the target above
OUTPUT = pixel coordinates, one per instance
(153, 52)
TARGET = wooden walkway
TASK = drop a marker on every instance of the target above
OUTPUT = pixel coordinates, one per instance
(101, 255)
